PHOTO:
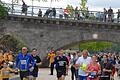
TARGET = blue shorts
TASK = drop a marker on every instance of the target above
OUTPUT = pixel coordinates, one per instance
(82, 77)
(34, 74)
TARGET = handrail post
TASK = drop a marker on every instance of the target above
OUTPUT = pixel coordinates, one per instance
(32, 8)
(12, 7)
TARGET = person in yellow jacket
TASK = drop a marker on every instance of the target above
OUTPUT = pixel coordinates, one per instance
(5, 56)
(51, 56)
(5, 72)
(1, 57)
(10, 57)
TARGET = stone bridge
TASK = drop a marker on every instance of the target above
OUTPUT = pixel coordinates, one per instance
(43, 33)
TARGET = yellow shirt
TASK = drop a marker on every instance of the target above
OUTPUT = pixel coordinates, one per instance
(51, 56)
(5, 56)
(1, 57)
(5, 72)
(10, 57)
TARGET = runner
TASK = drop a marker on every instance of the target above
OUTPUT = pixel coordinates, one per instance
(106, 68)
(51, 56)
(81, 64)
(74, 70)
(61, 65)
(23, 61)
(5, 71)
(37, 59)
(93, 69)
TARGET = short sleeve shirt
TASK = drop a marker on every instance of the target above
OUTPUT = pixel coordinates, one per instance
(84, 63)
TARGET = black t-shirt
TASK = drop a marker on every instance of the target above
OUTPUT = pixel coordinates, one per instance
(110, 11)
(37, 60)
(107, 66)
(61, 62)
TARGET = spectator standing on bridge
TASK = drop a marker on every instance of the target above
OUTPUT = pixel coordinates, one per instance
(61, 65)
(66, 13)
(47, 13)
(38, 62)
(54, 12)
(110, 15)
(23, 61)
(76, 14)
(82, 64)
(61, 13)
(118, 15)
(24, 8)
(105, 14)
(40, 13)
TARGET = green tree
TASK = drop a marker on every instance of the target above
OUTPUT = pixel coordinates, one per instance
(3, 10)
(71, 10)
(83, 6)
(10, 42)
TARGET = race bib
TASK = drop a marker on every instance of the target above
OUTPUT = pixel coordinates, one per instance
(6, 72)
(83, 67)
(61, 63)
(23, 61)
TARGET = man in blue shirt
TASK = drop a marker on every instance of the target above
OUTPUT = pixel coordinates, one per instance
(23, 62)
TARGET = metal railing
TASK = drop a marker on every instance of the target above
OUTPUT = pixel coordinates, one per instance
(33, 11)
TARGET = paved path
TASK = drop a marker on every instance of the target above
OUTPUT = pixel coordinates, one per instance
(44, 75)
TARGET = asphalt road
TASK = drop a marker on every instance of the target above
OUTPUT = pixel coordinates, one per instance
(44, 75)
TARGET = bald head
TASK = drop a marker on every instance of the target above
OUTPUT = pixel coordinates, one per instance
(24, 50)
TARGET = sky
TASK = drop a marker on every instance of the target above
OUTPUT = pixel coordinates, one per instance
(94, 5)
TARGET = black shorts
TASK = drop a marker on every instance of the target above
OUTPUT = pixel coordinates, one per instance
(5, 79)
(24, 74)
(61, 72)
(34, 73)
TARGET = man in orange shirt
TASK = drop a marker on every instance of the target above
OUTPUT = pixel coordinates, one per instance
(51, 56)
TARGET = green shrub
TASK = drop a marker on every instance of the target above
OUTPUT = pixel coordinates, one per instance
(3, 11)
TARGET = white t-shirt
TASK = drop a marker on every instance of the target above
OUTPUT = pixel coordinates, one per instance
(84, 63)
(61, 12)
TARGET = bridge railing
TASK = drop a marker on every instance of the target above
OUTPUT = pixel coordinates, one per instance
(33, 11)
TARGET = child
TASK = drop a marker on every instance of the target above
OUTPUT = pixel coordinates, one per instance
(5, 71)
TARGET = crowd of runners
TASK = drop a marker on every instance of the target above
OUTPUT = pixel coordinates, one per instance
(83, 66)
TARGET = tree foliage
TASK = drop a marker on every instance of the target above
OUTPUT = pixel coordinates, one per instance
(83, 6)
(71, 10)
(95, 45)
(8, 42)
(3, 10)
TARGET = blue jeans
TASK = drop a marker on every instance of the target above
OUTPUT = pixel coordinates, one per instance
(82, 77)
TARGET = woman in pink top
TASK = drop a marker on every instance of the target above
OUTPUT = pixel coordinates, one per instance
(93, 69)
